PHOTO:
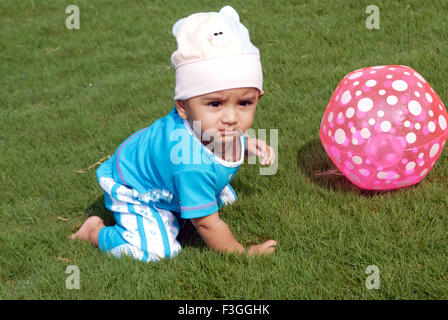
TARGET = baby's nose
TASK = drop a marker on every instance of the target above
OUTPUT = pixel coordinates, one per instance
(229, 116)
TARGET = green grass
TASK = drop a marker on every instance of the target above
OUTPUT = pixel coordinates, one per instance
(69, 97)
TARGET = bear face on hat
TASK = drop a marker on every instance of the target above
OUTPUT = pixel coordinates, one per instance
(214, 53)
(210, 35)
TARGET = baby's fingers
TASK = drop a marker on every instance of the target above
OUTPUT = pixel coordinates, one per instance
(268, 156)
(271, 158)
(264, 248)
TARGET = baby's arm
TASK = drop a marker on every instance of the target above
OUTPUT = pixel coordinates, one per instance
(217, 235)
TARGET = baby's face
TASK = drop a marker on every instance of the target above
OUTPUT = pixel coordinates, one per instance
(222, 115)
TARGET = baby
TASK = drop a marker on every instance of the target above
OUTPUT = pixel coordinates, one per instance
(180, 167)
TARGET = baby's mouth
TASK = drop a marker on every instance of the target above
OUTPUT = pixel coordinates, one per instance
(220, 135)
(230, 132)
(227, 132)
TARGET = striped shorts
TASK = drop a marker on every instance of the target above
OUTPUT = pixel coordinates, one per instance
(142, 230)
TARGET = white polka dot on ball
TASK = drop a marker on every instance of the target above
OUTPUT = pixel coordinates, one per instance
(410, 166)
(365, 104)
(364, 172)
(434, 150)
(381, 175)
(386, 126)
(370, 83)
(346, 97)
(411, 137)
(350, 112)
(365, 133)
(414, 107)
(339, 136)
(399, 85)
(392, 100)
(419, 77)
(355, 75)
(442, 122)
(357, 160)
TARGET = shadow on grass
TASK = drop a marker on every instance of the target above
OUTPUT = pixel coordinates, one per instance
(188, 236)
(317, 166)
(243, 189)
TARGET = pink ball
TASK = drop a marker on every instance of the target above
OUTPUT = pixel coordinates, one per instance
(384, 127)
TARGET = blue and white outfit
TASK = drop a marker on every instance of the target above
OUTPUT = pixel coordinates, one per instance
(156, 175)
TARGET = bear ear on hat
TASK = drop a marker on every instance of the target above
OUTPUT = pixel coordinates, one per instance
(177, 26)
(229, 11)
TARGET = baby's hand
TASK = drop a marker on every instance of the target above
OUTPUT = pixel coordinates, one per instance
(264, 248)
(261, 149)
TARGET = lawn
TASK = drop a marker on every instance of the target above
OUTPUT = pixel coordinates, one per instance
(68, 98)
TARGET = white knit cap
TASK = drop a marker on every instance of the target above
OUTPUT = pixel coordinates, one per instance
(214, 53)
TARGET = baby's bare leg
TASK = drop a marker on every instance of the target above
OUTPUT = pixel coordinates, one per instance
(89, 230)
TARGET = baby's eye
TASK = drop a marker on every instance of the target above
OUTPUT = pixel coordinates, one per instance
(214, 104)
(245, 103)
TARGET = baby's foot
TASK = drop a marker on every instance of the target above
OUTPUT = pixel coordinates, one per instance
(89, 230)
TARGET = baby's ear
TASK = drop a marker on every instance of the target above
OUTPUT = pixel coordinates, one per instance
(260, 94)
(181, 107)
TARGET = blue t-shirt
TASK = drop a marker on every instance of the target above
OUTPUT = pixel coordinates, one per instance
(168, 155)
